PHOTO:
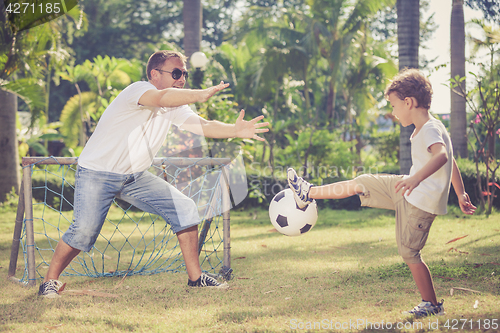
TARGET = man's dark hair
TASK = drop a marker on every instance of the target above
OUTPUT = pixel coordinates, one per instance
(158, 58)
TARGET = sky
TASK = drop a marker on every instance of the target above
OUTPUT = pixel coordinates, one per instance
(439, 46)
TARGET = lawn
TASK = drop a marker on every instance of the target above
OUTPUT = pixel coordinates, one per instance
(344, 275)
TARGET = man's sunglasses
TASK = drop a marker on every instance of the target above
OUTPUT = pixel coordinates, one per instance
(176, 73)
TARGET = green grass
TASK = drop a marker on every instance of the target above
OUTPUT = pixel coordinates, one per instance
(345, 270)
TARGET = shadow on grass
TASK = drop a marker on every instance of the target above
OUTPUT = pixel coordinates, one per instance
(470, 242)
(380, 291)
(28, 310)
(479, 269)
(481, 322)
(239, 317)
(295, 279)
(36, 310)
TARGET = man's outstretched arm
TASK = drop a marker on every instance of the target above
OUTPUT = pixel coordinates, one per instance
(173, 97)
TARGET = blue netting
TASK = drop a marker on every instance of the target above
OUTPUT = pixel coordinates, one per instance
(131, 241)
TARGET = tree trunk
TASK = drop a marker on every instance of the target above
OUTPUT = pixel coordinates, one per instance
(408, 42)
(458, 118)
(192, 16)
(9, 155)
(330, 104)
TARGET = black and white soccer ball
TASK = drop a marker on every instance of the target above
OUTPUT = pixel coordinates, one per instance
(288, 218)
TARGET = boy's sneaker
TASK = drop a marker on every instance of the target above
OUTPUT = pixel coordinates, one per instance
(300, 189)
(51, 288)
(425, 309)
(207, 281)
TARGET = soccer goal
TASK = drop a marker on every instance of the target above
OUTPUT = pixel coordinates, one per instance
(131, 241)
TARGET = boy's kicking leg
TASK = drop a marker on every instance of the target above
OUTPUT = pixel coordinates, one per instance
(305, 193)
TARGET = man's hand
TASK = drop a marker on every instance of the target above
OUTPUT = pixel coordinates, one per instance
(209, 92)
(465, 204)
(407, 185)
(249, 129)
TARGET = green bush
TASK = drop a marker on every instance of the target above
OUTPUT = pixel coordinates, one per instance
(469, 176)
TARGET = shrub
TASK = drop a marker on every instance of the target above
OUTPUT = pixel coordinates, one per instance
(468, 171)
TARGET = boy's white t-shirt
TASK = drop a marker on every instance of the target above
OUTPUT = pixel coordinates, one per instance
(431, 195)
(129, 135)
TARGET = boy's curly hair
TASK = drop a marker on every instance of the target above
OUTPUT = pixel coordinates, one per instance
(410, 82)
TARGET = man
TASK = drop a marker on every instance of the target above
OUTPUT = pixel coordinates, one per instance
(115, 160)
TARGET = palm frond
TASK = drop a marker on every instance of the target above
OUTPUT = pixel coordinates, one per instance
(29, 91)
(71, 118)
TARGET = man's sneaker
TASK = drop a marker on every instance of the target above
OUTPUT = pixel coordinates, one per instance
(425, 309)
(300, 188)
(207, 281)
(51, 288)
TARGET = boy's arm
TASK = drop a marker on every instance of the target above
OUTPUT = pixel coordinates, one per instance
(458, 185)
(438, 159)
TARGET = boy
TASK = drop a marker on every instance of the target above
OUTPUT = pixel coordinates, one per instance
(418, 197)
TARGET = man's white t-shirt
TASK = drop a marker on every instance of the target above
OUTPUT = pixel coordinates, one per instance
(431, 195)
(129, 135)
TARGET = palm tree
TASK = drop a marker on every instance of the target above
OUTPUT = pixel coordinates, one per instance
(365, 75)
(8, 148)
(315, 47)
(458, 119)
(408, 42)
(327, 31)
(278, 52)
(26, 59)
(16, 48)
(192, 14)
(335, 26)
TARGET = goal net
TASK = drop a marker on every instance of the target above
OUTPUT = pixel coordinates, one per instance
(131, 241)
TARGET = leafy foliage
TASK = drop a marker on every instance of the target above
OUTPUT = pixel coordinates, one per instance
(105, 77)
(71, 119)
(310, 67)
(33, 54)
(387, 146)
(134, 29)
(490, 8)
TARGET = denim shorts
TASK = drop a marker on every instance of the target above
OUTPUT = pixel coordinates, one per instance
(412, 223)
(94, 194)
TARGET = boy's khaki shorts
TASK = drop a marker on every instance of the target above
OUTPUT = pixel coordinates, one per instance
(412, 223)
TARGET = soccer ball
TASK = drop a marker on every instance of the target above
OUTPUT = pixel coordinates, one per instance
(289, 219)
